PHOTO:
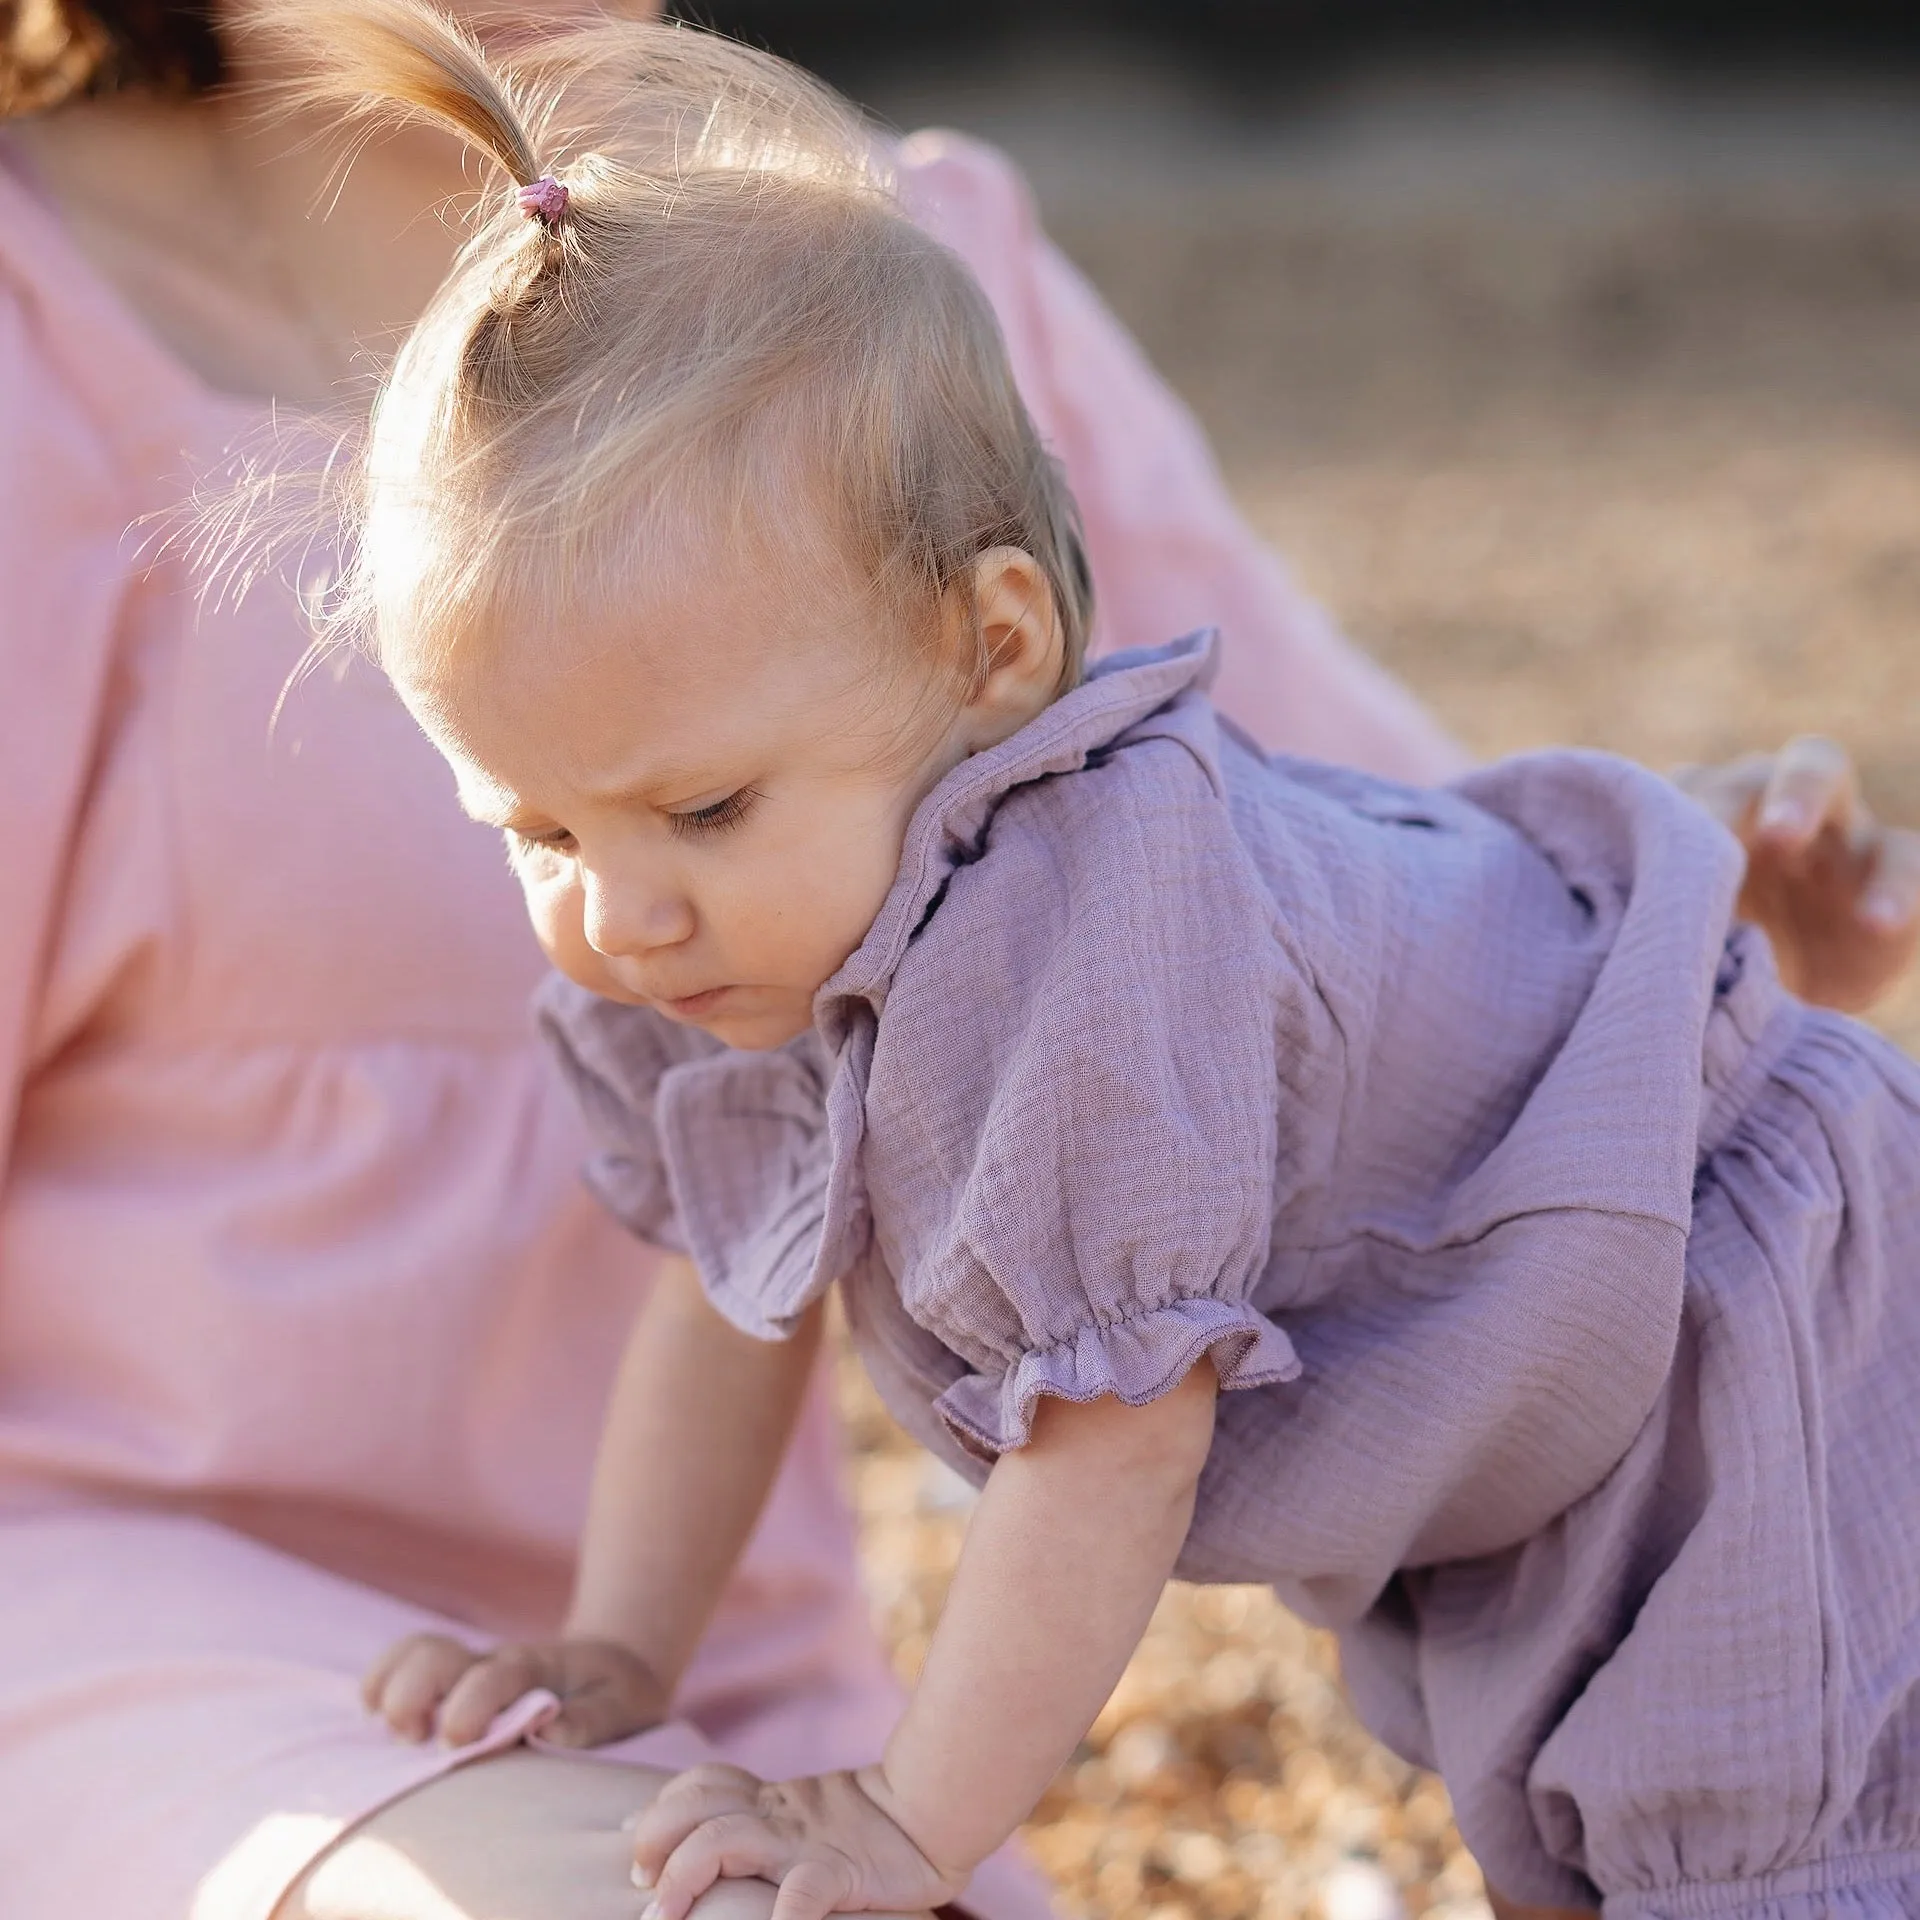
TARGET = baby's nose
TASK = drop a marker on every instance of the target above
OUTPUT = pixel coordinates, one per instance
(624, 920)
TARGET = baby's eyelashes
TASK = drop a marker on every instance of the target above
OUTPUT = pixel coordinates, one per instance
(715, 817)
(556, 840)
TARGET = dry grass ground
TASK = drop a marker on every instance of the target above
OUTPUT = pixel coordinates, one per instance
(1593, 408)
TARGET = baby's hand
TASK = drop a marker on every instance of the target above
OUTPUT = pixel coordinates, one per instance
(827, 1842)
(428, 1683)
(1837, 893)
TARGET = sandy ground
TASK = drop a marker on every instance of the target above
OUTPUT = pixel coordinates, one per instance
(1591, 403)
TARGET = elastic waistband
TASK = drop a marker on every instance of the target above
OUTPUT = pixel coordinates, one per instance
(1794, 1893)
(1752, 1023)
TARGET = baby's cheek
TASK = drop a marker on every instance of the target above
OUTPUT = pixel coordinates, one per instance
(814, 921)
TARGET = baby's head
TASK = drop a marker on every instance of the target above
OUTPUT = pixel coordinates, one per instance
(700, 524)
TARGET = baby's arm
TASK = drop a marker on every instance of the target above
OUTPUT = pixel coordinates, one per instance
(1066, 1555)
(1069, 1549)
(699, 1421)
(695, 1430)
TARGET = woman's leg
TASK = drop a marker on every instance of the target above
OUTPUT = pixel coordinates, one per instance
(522, 1836)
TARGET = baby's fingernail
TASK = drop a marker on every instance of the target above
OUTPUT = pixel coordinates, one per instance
(641, 1878)
(1783, 816)
(1883, 909)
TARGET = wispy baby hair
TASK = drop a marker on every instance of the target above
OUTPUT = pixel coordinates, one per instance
(717, 319)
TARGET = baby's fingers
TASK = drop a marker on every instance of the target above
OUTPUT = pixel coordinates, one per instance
(811, 1891)
(735, 1846)
(487, 1688)
(598, 1713)
(406, 1687)
(373, 1684)
(1810, 786)
(687, 1801)
(1891, 903)
(1729, 790)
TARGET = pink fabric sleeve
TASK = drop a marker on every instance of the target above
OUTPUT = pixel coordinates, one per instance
(1169, 550)
(63, 515)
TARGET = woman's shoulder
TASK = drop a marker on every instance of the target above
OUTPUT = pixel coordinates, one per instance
(963, 191)
(974, 200)
(69, 478)
(78, 369)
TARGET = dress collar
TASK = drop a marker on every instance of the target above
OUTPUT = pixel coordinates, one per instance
(947, 827)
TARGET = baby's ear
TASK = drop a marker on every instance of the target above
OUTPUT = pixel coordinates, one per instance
(1020, 642)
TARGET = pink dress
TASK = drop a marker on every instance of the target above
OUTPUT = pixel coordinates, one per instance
(305, 1319)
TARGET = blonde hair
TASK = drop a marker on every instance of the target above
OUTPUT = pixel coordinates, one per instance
(733, 314)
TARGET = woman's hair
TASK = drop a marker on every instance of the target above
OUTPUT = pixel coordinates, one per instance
(52, 50)
(732, 347)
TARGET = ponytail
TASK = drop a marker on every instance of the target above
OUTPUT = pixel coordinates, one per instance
(394, 61)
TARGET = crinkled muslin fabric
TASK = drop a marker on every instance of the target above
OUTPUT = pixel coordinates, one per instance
(1557, 1265)
(305, 1321)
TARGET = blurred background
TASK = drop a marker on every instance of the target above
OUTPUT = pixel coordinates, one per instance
(1571, 353)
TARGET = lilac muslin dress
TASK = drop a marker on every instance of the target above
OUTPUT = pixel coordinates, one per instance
(1553, 1259)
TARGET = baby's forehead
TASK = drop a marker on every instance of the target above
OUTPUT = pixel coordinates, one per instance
(658, 706)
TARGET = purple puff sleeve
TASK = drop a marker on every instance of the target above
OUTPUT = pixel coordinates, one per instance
(1074, 1106)
(728, 1157)
(613, 1059)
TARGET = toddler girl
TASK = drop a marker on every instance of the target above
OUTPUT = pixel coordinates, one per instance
(1424, 1202)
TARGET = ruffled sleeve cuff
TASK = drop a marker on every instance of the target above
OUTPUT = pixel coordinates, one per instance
(1135, 1360)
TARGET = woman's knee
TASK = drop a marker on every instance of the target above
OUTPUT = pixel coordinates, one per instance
(521, 1836)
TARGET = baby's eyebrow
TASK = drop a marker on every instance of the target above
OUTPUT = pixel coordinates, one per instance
(501, 807)
(489, 805)
(669, 780)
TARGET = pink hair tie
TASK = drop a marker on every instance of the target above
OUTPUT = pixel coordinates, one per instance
(544, 200)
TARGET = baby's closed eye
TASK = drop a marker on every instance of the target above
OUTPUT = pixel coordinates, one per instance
(716, 817)
(549, 840)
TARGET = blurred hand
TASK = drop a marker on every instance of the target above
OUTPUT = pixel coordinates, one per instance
(428, 1683)
(1837, 893)
(827, 1843)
